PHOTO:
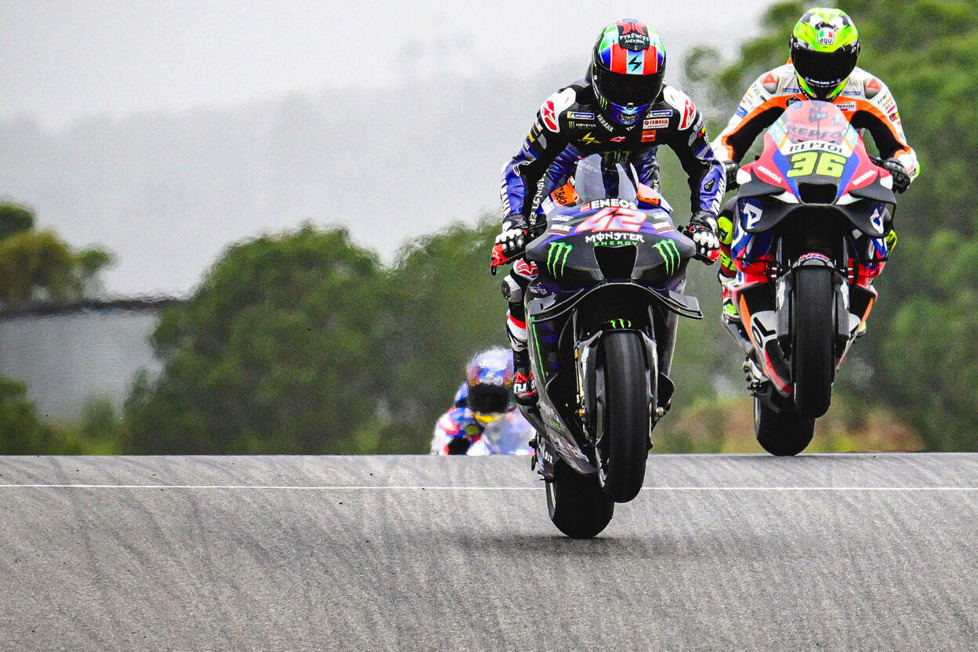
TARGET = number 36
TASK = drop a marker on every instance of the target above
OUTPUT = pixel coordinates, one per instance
(821, 163)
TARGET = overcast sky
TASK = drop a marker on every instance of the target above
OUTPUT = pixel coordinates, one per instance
(61, 60)
(168, 197)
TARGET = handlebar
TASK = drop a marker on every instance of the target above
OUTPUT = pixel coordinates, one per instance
(709, 260)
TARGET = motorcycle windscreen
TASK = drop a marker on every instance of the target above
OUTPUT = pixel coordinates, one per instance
(808, 121)
(595, 179)
(812, 152)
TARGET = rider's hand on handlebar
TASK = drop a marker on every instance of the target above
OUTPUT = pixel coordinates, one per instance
(702, 230)
(510, 243)
(901, 180)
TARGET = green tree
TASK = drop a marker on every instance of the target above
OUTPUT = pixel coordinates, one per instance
(445, 307)
(14, 218)
(39, 266)
(276, 352)
(21, 430)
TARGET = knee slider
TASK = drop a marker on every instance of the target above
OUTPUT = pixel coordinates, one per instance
(512, 291)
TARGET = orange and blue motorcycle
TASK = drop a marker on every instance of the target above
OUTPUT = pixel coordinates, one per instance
(810, 225)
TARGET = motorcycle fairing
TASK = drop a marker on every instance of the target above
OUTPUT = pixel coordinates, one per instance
(553, 305)
(813, 150)
(568, 249)
(760, 318)
(757, 215)
(608, 263)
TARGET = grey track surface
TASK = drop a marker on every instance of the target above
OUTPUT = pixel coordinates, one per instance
(837, 552)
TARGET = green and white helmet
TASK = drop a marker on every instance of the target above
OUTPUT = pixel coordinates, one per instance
(824, 48)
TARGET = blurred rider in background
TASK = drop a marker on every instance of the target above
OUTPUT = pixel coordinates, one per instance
(624, 111)
(485, 419)
(824, 46)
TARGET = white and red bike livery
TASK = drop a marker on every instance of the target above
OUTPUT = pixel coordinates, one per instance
(810, 221)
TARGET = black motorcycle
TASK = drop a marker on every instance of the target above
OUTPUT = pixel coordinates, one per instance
(601, 317)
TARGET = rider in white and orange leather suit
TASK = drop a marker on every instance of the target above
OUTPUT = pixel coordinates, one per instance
(864, 98)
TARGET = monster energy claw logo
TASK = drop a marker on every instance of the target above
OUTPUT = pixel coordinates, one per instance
(670, 255)
(557, 257)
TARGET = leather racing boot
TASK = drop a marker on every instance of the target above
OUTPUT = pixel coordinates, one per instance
(524, 388)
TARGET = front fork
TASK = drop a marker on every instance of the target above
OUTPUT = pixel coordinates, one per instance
(766, 318)
(589, 395)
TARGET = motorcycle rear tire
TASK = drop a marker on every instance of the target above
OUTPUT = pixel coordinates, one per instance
(577, 504)
(782, 433)
(623, 416)
(813, 335)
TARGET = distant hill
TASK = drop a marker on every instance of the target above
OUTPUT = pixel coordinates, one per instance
(168, 193)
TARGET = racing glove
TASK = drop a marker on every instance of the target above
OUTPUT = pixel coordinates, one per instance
(901, 180)
(510, 243)
(703, 231)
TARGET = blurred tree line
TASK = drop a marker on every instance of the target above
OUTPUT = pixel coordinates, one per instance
(38, 266)
(303, 342)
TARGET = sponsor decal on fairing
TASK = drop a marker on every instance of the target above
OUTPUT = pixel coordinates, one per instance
(815, 145)
(751, 214)
(771, 175)
(670, 254)
(557, 257)
(858, 180)
(614, 238)
(608, 203)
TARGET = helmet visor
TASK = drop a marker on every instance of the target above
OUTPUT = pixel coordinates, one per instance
(823, 71)
(628, 89)
(488, 399)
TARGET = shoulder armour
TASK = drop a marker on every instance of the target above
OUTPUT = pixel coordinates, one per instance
(554, 106)
(674, 97)
(684, 106)
(872, 88)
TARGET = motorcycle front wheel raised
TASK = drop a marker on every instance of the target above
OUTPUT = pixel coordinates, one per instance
(812, 333)
(577, 504)
(623, 416)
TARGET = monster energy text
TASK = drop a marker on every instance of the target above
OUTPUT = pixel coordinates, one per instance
(670, 255)
(557, 257)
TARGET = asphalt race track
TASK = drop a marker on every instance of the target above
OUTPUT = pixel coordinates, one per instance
(818, 552)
